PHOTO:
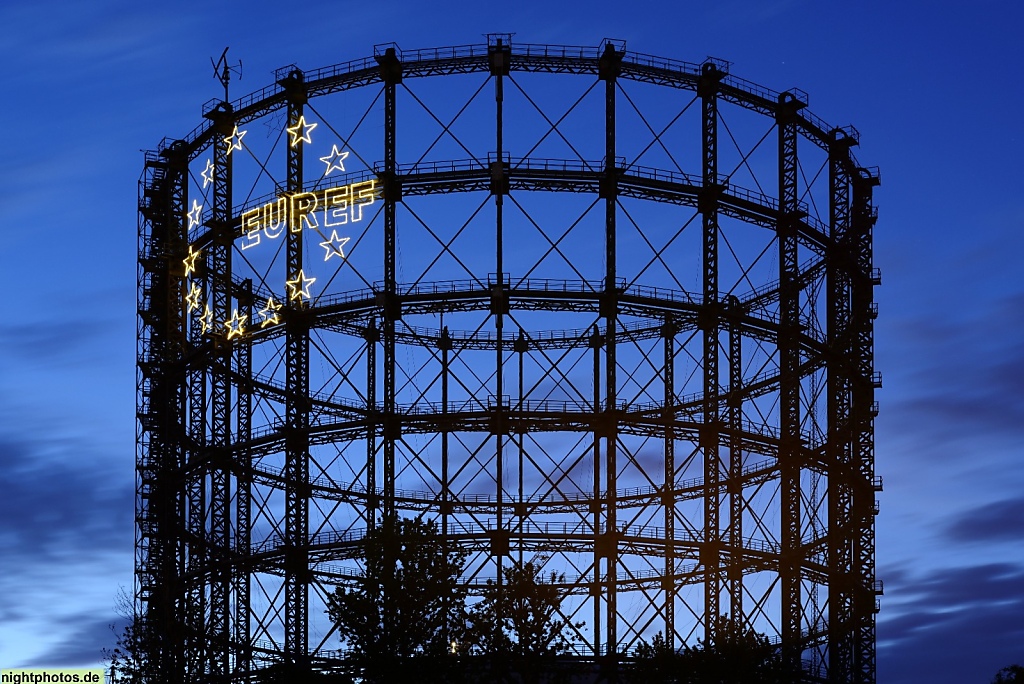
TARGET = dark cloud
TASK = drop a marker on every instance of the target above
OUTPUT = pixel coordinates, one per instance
(955, 379)
(60, 341)
(994, 522)
(60, 500)
(83, 643)
(951, 626)
(66, 528)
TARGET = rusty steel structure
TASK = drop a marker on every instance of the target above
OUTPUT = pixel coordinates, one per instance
(604, 311)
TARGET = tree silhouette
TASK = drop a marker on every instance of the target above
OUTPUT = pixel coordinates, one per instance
(738, 655)
(517, 626)
(1010, 675)
(406, 619)
(129, 659)
(400, 619)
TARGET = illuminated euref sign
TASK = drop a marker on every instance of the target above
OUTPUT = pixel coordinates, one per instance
(323, 211)
(327, 208)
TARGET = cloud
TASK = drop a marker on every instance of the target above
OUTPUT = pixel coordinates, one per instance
(60, 501)
(1000, 521)
(81, 644)
(120, 33)
(66, 527)
(46, 343)
(959, 376)
(951, 625)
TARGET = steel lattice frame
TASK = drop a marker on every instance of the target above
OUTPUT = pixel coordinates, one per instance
(535, 378)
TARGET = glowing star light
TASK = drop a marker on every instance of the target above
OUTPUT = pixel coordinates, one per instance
(192, 298)
(206, 320)
(335, 160)
(269, 313)
(334, 245)
(190, 261)
(234, 140)
(300, 131)
(207, 174)
(299, 288)
(195, 215)
(235, 325)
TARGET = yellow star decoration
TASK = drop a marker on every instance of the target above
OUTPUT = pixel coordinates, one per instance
(334, 245)
(234, 141)
(207, 173)
(300, 131)
(195, 215)
(190, 261)
(299, 288)
(269, 313)
(235, 325)
(206, 320)
(335, 160)
(192, 298)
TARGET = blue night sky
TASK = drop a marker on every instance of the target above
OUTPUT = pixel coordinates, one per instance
(935, 89)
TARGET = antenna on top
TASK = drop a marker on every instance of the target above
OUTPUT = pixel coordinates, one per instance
(222, 71)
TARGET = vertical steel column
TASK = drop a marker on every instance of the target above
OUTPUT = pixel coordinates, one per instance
(711, 549)
(201, 425)
(735, 421)
(609, 66)
(194, 610)
(161, 410)
(862, 414)
(789, 382)
(372, 335)
(840, 502)
(498, 53)
(391, 75)
(668, 495)
(173, 458)
(596, 342)
(220, 397)
(149, 398)
(297, 574)
(445, 346)
(242, 463)
(520, 346)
